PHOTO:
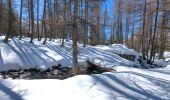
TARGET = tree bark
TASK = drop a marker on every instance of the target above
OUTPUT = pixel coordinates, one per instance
(143, 31)
(75, 38)
(152, 53)
(38, 32)
(9, 21)
(32, 20)
(86, 24)
(44, 22)
(1, 10)
(64, 30)
(21, 20)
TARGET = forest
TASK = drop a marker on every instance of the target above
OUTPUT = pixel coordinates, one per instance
(84, 49)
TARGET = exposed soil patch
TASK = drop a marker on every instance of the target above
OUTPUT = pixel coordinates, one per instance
(54, 73)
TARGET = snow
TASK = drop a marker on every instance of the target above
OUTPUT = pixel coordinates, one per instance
(160, 63)
(120, 49)
(167, 56)
(126, 83)
(20, 54)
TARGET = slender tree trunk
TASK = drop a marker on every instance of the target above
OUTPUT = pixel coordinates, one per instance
(32, 20)
(42, 30)
(44, 22)
(152, 53)
(127, 26)
(56, 16)
(75, 38)
(21, 20)
(143, 31)
(86, 24)
(164, 32)
(9, 21)
(98, 33)
(38, 31)
(133, 29)
(56, 10)
(104, 25)
(1, 10)
(121, 29)
(29, 19)
(64, 30)
(150, 35)
(50, 18)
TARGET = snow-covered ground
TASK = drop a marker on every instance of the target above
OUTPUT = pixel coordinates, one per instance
(126, 83)
(167, 56)
(20, 54)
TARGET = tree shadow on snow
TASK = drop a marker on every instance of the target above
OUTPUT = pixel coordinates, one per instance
(1, 59)
(105, 56)
(164, 71)
(29, 53)
(130, 90)
(59, 50)
(8, 92)
(162, 83)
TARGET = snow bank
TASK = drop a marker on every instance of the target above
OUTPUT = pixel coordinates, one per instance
(20, 54)
(160, 63)
(118, 49)
(127, 84)
(121, 49)
(105, 58)
(167, 56)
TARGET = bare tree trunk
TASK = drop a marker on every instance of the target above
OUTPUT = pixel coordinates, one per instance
(75, 38)
(64, 30)
(9, 21)
(44, 22)
(32, 20)
(50, 18)
(21, 20)
(104, 25)
(133, 29)
(127, 25)
(29, 19)
(152, 53)
(98, 34)
(1, 10)
(42, 29)
(86, 24)
(38, 31)
(56, 16)
(143, 31)
(164, 32)
(56, 10)
(150, 35)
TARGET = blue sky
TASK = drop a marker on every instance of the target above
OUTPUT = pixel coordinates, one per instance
(109, 4)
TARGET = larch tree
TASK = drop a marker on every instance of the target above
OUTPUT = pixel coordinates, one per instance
(10, 17)
(32, 20)
(86, 23)
(44, 22)
(38, 29)
(21, 19)
(75, 38)
(152, 52)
